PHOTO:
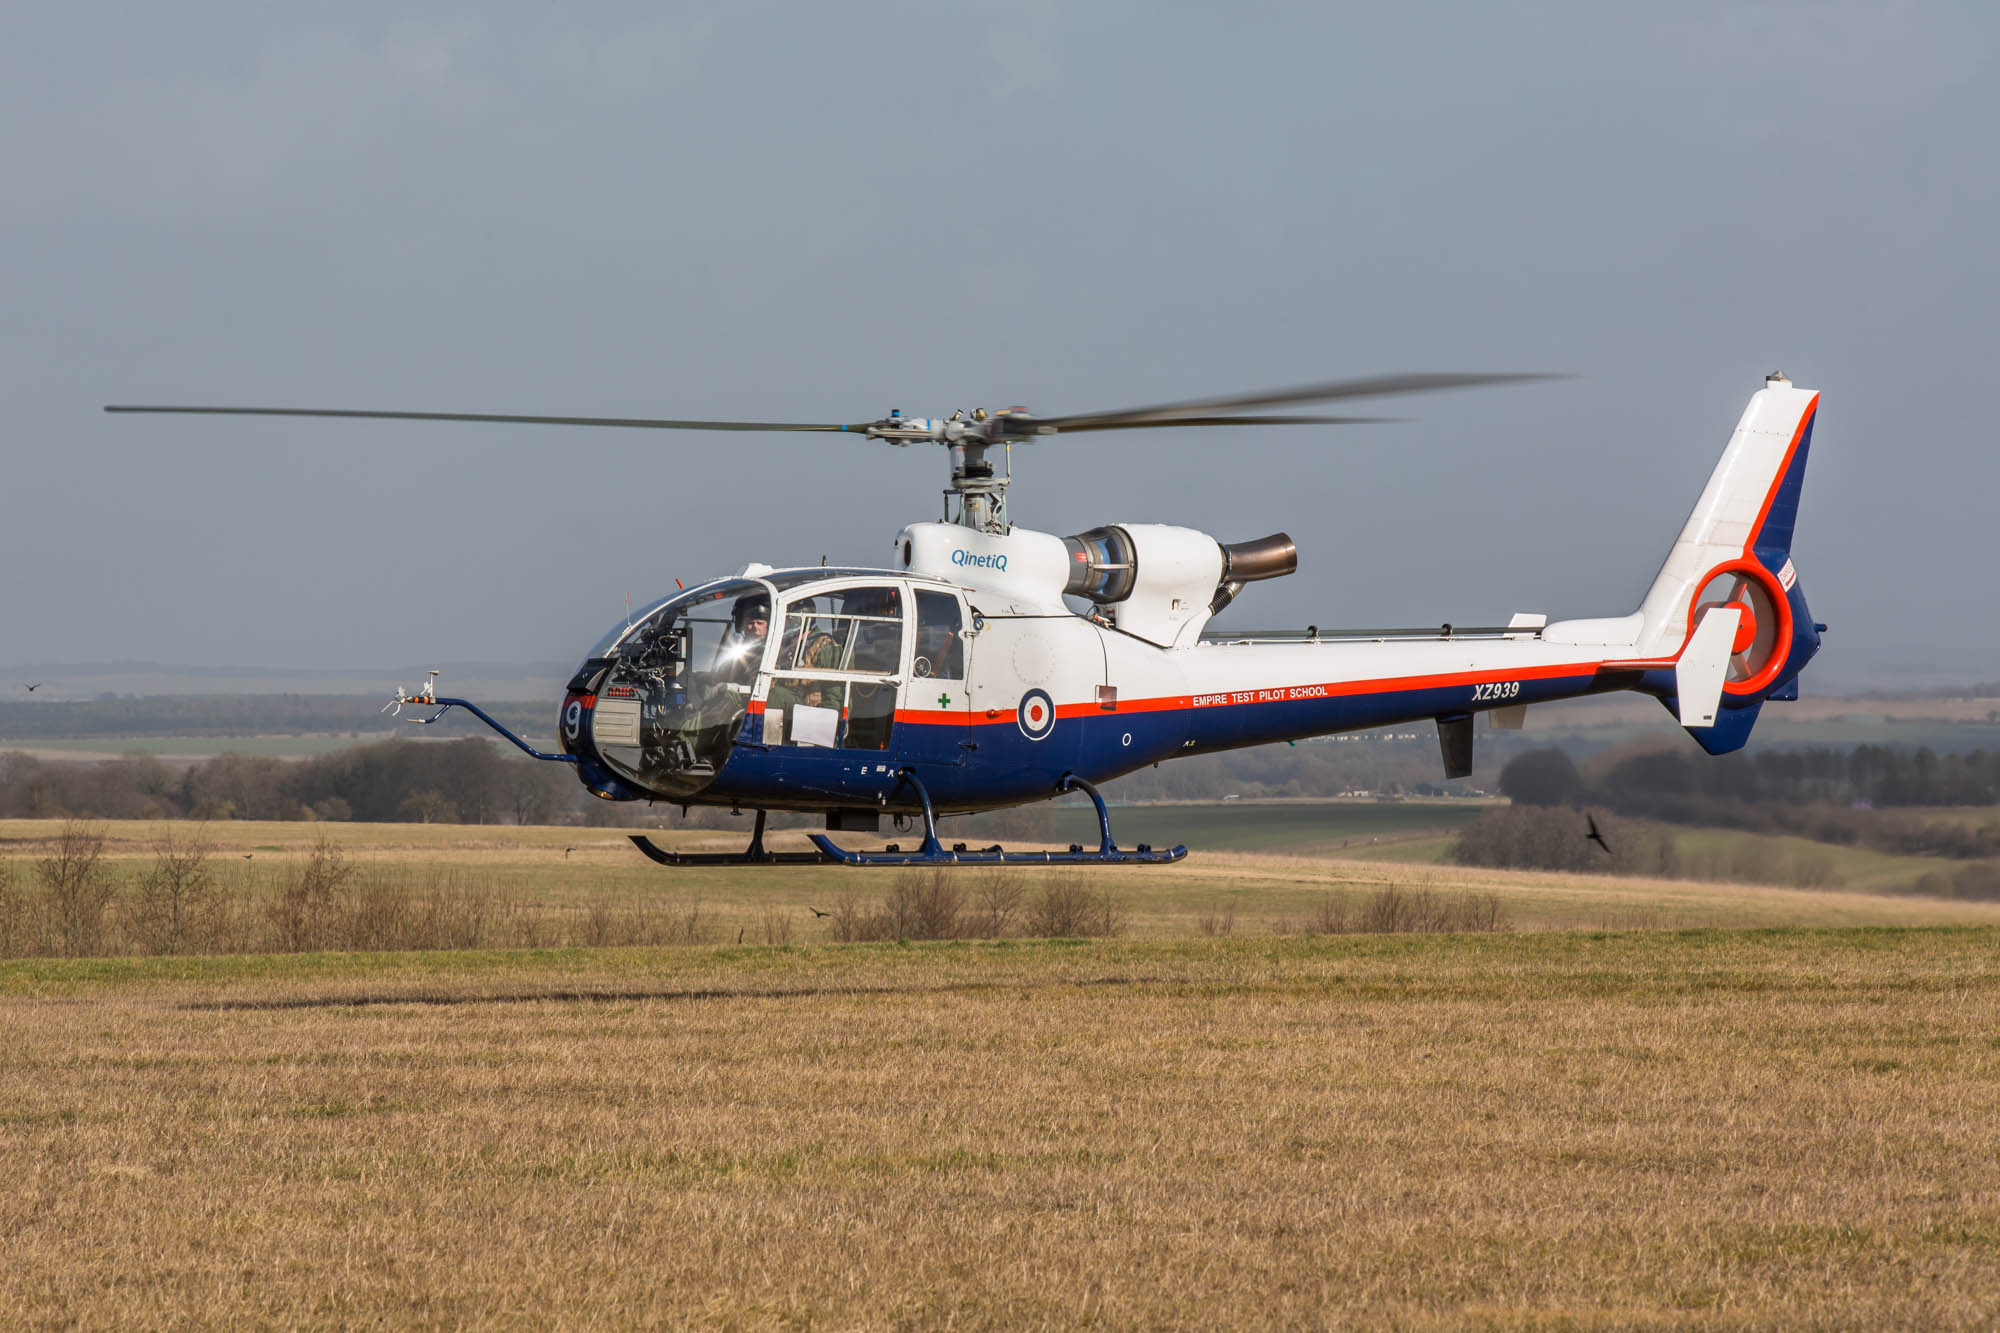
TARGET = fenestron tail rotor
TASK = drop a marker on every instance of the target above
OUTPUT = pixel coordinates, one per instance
(980, 490)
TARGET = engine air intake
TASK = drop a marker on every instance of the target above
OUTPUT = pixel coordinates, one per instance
(1103, 564)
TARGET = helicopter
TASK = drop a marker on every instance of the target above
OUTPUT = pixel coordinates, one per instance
(989, 665)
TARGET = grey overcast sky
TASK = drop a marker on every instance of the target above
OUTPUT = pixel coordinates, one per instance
(821, 212)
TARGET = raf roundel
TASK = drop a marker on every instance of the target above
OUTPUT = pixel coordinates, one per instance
(1037, 715)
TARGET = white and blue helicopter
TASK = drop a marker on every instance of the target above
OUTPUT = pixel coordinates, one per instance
(962, 678)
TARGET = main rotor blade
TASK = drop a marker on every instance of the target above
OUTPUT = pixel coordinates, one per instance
(641, 423)
(1236, 420)
(1374, 386)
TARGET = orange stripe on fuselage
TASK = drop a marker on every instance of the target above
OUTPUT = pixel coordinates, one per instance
(1329, 690)
(937, 717)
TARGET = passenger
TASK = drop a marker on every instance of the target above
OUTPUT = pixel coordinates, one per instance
(878, 640)
(821, 650)
(938, 652)
(788, 696)
(805, 624)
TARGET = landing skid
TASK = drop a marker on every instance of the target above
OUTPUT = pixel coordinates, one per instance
(754, 855)
(932, 852)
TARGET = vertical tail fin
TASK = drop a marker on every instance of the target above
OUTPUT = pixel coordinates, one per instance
(1745, 515)
(1725, 624)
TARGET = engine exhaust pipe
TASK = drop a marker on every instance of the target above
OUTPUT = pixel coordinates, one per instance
(1270, 557)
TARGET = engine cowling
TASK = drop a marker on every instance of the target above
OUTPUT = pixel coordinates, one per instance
(1157, 581)
(1154, 581)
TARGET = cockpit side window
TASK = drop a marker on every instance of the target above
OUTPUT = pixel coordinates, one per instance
(827, 639)
(815, 638)
(877, 640)
(855, 629)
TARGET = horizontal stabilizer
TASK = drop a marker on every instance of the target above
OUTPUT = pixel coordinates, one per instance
(1704, 664)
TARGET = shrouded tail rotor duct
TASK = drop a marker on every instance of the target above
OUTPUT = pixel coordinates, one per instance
(1103, 565)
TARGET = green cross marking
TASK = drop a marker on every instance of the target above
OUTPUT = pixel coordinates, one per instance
(944, 701)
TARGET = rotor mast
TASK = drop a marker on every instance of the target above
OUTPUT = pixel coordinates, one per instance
(981, 491)
(977, 495)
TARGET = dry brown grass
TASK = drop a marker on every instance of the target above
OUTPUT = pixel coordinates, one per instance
(502, 887)
(1727, 1130)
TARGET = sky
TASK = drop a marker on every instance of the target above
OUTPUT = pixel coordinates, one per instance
(824, 212)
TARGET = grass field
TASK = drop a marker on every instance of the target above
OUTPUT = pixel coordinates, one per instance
(1581, 1130)
(556, 886)
(1333, 826)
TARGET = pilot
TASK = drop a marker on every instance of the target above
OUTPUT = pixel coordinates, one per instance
(742, 648)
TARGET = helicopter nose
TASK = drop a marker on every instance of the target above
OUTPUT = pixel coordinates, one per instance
(574, 736)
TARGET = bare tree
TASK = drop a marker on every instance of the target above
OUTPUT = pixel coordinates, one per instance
(996, 895)
(13, 915)
(75, 888)
(307, 913)
(429, 806)
(1070, 908)
(531, 799)
(176, 902)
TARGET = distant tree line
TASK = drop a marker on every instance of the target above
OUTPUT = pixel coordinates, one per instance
(234, 715)
(475, 781)
(1866, 797)
(1689, 788)
(467, 781)
(1528, 837)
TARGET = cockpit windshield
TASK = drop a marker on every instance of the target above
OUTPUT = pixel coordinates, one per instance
(679, 684)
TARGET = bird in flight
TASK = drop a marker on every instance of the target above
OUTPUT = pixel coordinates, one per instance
(815, 911)
(1595, 836)
(32, 688)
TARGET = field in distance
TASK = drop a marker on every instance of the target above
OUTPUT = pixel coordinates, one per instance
(1567, 1130)
(565, 885)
